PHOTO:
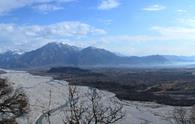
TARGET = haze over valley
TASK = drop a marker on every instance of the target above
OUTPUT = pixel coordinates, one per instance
(59, 54)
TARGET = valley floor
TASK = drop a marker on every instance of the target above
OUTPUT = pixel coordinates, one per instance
(38, 88)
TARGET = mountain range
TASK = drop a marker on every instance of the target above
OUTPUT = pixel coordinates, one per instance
(58, 54)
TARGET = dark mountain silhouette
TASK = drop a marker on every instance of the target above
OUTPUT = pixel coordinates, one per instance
(95, 56)
(53, 54)
(58, 54)
(9, 59)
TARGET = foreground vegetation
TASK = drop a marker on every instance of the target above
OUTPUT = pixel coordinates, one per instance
(13, 103)
(92, 110)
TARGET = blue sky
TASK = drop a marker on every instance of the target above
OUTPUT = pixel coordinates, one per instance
(129, 27)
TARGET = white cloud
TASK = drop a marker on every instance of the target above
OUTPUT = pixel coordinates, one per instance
(181, 11)
(188, 21)
(108, 4)
(105, 21)
(162, 40)
(7, 6)
(160, 34)
(174, 33)
(19, 35)
(127, 38)
(47, 7)
(59, 29)
(155, 7)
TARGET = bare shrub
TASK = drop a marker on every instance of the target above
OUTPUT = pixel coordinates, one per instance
(192, 115)
(91, 110)
(13, 102)
(180, 116)
(183, 116)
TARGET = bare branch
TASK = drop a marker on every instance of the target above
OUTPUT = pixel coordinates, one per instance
(13, 103)
(93, 110)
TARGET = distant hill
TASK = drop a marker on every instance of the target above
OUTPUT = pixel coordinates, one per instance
(9, 60)
(58, 54)
(95, 56)
(71, 70)
(180, 58)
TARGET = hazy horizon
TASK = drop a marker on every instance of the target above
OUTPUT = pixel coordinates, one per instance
(131, 28)
(18, 51)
